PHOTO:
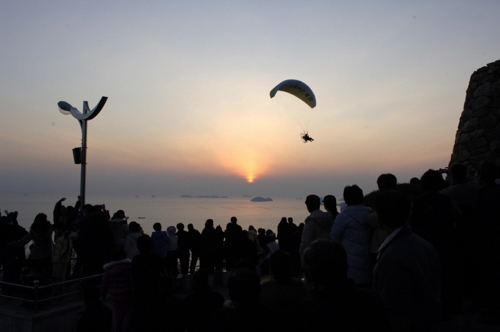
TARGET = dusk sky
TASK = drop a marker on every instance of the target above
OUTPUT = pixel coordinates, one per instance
(188, 84)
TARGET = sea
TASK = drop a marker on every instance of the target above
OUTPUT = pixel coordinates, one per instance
(170, 210)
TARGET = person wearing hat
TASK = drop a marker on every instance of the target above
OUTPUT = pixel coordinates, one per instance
(317, 225)
(330, 203)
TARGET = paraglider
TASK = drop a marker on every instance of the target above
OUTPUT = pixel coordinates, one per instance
(301, 91)
(306, 138)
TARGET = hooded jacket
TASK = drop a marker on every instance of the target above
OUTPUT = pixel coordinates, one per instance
(317, 226)
(161, 242)
(117, 280)
(351, 228)
(130, 246)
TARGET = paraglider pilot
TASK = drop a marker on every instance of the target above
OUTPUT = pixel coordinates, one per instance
(306, 138)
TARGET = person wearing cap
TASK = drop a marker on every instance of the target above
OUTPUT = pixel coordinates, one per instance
(317, 225)
(330, 203)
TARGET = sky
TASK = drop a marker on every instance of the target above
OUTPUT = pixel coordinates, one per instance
(188, 84)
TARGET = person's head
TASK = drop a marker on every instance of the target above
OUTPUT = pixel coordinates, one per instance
(87, 209)
(12, 216)
(487, 172)
(330, 203)
(432, 181)
(134, 227)
(170, 230)
(180, 226)
(290, 220)
(234, 220)
(325, 263)
(312, 203)
(392, 208)
(190, 227)
(261, 231)
(283, 220)
(243, 286)
(40, 224)
(251, 228)
(415, 181)
(281, 265)
(387, 181)
(94, 209)
(353, 195)
(209, 223)
(145, 244)
(120, 214)
(458, 173)
(157, 227)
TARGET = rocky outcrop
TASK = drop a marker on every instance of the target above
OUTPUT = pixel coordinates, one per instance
(261, 199)
(478, 134)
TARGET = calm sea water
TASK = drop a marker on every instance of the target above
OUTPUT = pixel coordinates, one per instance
(170, 210)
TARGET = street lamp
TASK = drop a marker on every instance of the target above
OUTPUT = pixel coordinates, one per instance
(65, 108)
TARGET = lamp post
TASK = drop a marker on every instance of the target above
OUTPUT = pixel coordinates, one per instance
(82, 118)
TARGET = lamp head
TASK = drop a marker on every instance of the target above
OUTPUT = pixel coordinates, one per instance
(64, 107)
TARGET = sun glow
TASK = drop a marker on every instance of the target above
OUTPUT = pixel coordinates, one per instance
(250, 179)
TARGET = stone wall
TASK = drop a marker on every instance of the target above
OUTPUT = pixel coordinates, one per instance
(478, 134)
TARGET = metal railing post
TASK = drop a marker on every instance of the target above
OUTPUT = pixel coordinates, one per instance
(35, 293)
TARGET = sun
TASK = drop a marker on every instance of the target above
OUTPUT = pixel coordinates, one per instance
(250, 179)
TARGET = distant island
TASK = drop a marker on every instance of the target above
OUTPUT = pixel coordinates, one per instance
(261, 199)
(203, 196)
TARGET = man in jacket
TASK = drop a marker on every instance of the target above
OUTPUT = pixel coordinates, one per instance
(317, 225)
(407, 271)
(353, 230)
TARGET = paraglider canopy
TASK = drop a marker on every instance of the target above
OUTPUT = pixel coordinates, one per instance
(297, 88)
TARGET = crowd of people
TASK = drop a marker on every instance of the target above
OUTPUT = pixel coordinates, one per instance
(403, 262)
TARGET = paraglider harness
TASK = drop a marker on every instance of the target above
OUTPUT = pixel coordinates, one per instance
(306, 138)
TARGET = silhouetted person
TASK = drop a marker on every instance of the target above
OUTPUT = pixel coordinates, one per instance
(353, 230)
(130, 246)
(317, 225)
(148, 270)
(232, 243)
(201, 303)
(119, 229)
(284, 235)
(97, 241)
(173, 252)
(243, 312)
(209, 246)
(407, 273)
(281, 291)
(462, 191)
(330, 203)
(387, 181)
(40, 257)
(183, 248)
(194, 242)
(335, 304)
(434, 217)
(160, 242)
(487, 243)
(117, 282)
(12, 258)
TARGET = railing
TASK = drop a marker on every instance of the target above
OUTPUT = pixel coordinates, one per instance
(37, 299)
